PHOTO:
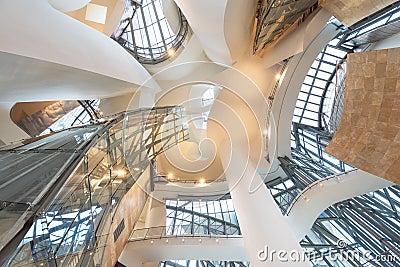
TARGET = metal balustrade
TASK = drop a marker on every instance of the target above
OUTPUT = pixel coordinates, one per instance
(161, 232)
(69, 220)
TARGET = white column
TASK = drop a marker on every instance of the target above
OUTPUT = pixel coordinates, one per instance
(268, 239)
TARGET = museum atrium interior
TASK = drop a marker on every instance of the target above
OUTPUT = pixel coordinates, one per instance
(213, 133)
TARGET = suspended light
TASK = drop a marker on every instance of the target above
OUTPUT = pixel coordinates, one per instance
(171, 52)
(120, 172)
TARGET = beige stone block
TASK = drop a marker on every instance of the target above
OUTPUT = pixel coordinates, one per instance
(393, 172)
(390, 85)
(392, 70)
(379, 84)
(370, 57)
(381, 56)
(368, 69)
(380, 70)
(393, 56)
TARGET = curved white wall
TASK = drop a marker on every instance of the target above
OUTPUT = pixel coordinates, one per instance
(226, 249)
(39, 31)
(68, 5)
(206, 18)
(313, 201)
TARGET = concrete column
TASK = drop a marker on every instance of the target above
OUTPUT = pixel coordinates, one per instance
(268, 239)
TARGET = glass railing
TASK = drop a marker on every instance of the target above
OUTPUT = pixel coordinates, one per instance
(163, 232)
(66, 219)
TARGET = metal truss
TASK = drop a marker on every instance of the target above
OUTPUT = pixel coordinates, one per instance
(274, 17)
(72, 226)
(201, 217)
(364, 224)
(308, 144)
(321, 79)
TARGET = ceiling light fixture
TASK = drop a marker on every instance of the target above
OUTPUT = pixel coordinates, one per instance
(120, 172)
(171, 52)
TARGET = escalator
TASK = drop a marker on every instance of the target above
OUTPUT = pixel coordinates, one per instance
(60, 194)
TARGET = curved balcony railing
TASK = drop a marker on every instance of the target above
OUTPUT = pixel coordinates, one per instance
(164, 232)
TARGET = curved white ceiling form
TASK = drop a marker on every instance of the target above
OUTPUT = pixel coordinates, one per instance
(49, 35)
(28, 79)
(172, 15)
(195, 158)
(238, 26)
(175, 68)
(238, 113)
(102, 15)
(326, 192)
(206, 18)
(68, 5)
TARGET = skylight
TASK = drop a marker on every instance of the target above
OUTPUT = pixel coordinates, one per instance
(145, 32)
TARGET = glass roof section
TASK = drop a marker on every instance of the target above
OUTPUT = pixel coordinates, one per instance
(145, 32)
(319, 79)
(201, 217)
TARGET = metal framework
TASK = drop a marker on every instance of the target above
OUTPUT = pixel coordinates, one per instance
(320, 101)
(69, 223)
(310, 109)
(366, 226)
(202, 217)
(146, 34)
(274, 17)
(310, 141)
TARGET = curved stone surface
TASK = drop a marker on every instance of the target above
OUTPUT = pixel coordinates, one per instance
(368, 136)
